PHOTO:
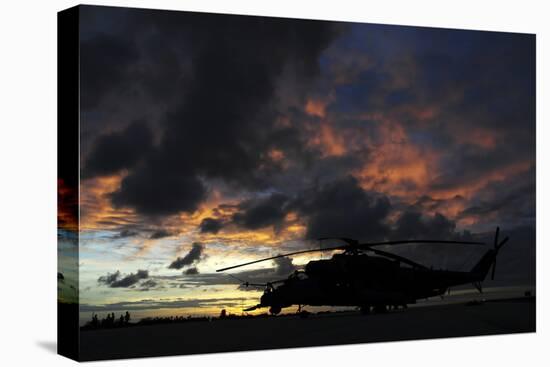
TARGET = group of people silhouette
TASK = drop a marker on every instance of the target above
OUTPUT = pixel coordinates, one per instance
(109, 321)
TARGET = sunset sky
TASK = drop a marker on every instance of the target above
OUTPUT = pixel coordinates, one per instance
(210, 140)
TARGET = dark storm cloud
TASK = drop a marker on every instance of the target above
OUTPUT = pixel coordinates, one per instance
(430, 204)
(509, 202)
(489, 75)
(109, 278)
(114, 280)
(219, 83)
(474, 162)
(148, 285)
(211, 225)
(337, 208)
(105, 62)
(412, 224)
(225, 103)
(497, 74)
(519, 201)
(130, 279)
(343, 209)
(118, 150)
(284, 266)
(161, 233)
(192, 257)
(282, 269)
(192, 271)
(125, 233)
(263, 212)
(159, 190)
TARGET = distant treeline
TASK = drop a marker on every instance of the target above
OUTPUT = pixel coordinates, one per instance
(111, 321)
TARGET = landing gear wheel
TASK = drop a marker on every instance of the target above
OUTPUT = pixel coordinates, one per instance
(380, 309)
(275, 310)
(365, 310)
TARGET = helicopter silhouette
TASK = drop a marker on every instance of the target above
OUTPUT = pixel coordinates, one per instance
(373, 283)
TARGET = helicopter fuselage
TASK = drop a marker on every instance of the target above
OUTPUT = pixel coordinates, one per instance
(360, 280)
(353, 278)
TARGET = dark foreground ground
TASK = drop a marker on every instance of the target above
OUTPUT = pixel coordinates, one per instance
(489, 318)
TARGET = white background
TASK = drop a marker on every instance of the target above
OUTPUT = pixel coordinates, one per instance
(28, 183)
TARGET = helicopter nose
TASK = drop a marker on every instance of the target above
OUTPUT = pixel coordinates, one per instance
(265, 299)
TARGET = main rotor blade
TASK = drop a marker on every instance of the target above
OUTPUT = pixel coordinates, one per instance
(496, 238)
(357, 246)
(399, 258)
(283, 255)
(493, 271)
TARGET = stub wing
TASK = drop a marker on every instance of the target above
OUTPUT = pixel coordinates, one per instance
(253, 308)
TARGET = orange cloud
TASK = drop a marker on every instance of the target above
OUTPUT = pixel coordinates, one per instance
(276, 155)
(396, 165)
(96, 209)
(478, 136)
(98, 214)
(498, 174)
(421, 114)
(324, 137)
(316, 108)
